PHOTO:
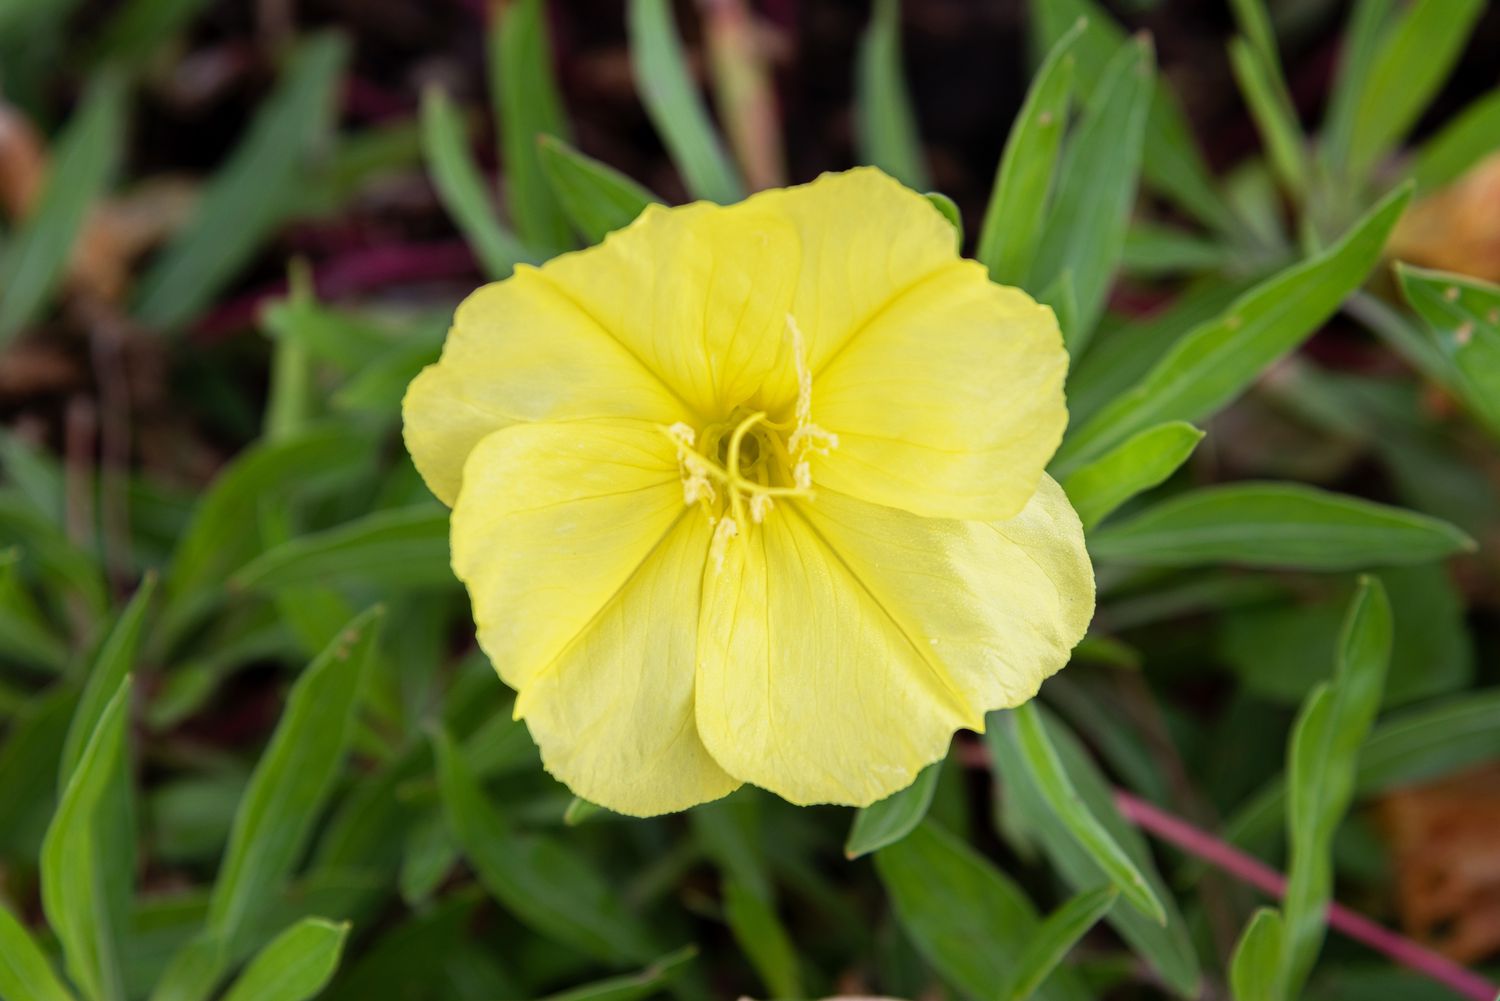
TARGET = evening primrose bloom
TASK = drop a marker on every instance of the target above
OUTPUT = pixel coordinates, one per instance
(756, 494)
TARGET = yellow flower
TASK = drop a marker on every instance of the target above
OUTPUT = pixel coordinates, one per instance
(756, 494)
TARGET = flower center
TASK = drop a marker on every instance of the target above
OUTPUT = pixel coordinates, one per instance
(735, 470)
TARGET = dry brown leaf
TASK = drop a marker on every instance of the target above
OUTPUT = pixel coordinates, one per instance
(1456, 228)
(23, 162)
(121, 229)
(1447, 858)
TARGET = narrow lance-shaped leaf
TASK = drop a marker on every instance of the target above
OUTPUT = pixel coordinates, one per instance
(1213, 363)
(1275, 117)
(764, 939)
(73, 891)
(1055, 939)
(886, 125)
(675, 107)
(81, 170)
(540, 881)
(1471, 136)
(1167, 947)
(524, 90)
(403, 549)
(1056, 787)
(893, 818)
(1464, 314)
(287, 790)
(1322, 759)
(25, 973)
(1171, 163)
(1414, 57)
(1257, 957)
(634, 986)
(254, 192)
(1276, 525)
(965, 916)
(462, 188)
(1023, 181)
(1130, 468)
(114, 661)
(1085, 228)
(295, 965)
(597, 198)
(1361, 37)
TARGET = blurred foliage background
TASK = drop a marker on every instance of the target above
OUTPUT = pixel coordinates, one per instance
(248, 749)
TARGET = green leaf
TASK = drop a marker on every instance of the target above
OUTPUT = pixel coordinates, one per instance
(1132, 467)
(1168, 947)
(675, 107)
(78, 175)
(597, 198)
(950, 211)
(427, 858)
(1023, 180)
(524, 91)
(1322, 761)
(26, 637)
(1214, 363)
(1164, 250)
(965, 916)
(462, 188)
(1469, 137)
(539, 880)
(1257, 957)
(885, 124)
(290, 784)
(893, 818)
(764, 940)
(25, 973)
(139, 29)
(215, 541)
(1085, 228)
(73, 891)
(1361, 37)
(1055, 939)
(1276, 525)
(1414, 57)
(1464, 315)
(295, 966)
(114, 661)
(28, 792)
(253, 193)
(1171, 163)
(400, 549)
(1275, 118)
(1254, 22)
(634, 986)
(1051, 778)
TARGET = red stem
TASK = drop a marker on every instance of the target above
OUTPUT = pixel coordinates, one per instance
(1251, 870)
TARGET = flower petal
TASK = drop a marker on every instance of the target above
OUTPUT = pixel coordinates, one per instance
(843, 642)
(700, 293)
(519, 350)
(948, 403)
(865, 239)
(584, 568)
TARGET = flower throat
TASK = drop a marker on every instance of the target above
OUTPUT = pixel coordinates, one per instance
(737, 468)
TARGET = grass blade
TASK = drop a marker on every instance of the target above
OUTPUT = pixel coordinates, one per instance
(82, 169)
(1132, 467)
(885, 124)
(764, 939)
(1469, 137)
(634, 986)
(73, 881)
(597, 198)
(401, 549)
(1275, 118)
(114, 661)
(675, 107)
(1257, 957)
(1214, 363)
(295, 965)
(893, 818)
(1464, 315)
(524, 91)
(1018, 201)
(254, 192)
